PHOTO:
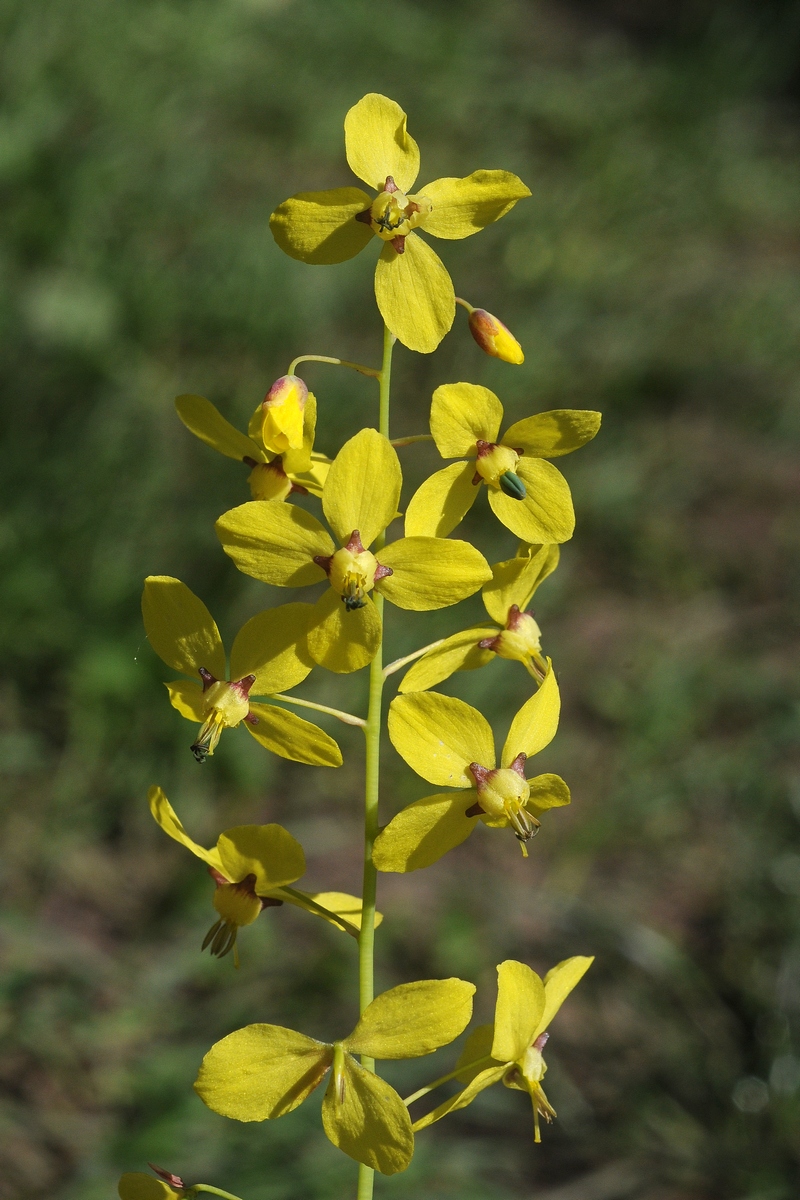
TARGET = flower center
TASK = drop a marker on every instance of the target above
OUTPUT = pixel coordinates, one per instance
(502, 796)
(237, 905)
(496, 465)
(224, 706)
(352, 575)
(394, 214)
(269, 481)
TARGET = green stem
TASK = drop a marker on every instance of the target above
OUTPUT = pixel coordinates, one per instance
(372, 733)
(479, 1062)
(206, 1187)
(401, 662)
(347, 718)
(415, 437)
(336, 362)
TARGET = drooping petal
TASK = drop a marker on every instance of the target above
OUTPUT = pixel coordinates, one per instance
(180, 628)
(362, 490)
(465, 206)
(546, 514)
(313, 480)
(461, 415)
(547, 791)
(284, 733)
(267, 851)
(298, 462)
(272, 646)
(431, 572)
(419, 835)
(342, 904)
(340, 640)
(413, 1019)
(439, 736)
(535, 725)
(187, 697)
(461, 1099)
(377, 143)
(167, 818)
(275, 542)
(551, 434)
(203, 420)
(460, 652)
(515, 580)
(520, 1004)
(369, 1122)
(477, 1046)
(558, 983)
(321, 227)
(261, 1072)
(442, 501)
(415, 294)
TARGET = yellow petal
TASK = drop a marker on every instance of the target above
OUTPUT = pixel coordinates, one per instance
(267, 851)
(520, 1004)
(415, 294)
(465, 206)
(477, 1046)
(286, 734)
(535, 725)
(187, 697)
(180, 628)
(546, 514)
(439, 736)
(377, 143)
(275, 542)
(547, 791)
(362, 490)
(313, 480)
(321, 227)
(204, 421)
(341, 903)
(413, 1019)
(261, 1072)
(461, 415)
(167, 818)
(431, 572)
(298, 462)
(461, 1099)
(442, 501)
(272, 646)
(135, 1185)
(419, 835)
(515, 580)
(551, 434)
(340, 640)
(558, 983)
(457, 653)
(369, 1122)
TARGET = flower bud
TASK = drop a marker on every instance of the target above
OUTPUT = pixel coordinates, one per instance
(283, 407)
(494, 337)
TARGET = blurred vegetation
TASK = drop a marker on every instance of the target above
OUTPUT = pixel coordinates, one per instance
(654, 275)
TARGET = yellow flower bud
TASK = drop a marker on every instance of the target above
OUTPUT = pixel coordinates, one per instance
(136, 1185)
(283, 408)
(494, 337)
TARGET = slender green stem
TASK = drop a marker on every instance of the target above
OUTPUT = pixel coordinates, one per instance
(415, 437)
(465, 304)
(336, 362)
(372, 733)
(479, 1062)
(348, 718)
(206, 1187)
(307, 902)
(401, 662)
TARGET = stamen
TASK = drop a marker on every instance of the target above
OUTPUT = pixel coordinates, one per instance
(512, 486)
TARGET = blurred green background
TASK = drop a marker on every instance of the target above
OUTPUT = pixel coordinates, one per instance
(653, 275)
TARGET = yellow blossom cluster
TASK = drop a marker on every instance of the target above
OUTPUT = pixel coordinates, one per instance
(321, 523)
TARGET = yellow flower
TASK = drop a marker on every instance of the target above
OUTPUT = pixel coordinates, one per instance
(137, 1185)
(262, 1072)
(413, 289)
(511, 1049)
(278, 444)
(530, 496)
(505, 598)
(284, 545)
(252, 866)
(450, 743)
(269, 655)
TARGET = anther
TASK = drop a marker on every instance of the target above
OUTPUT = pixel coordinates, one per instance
(512, 486)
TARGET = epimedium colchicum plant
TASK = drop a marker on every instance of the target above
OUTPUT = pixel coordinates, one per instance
(264, 1071)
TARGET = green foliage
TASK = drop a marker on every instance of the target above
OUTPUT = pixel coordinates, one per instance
(653, 276)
